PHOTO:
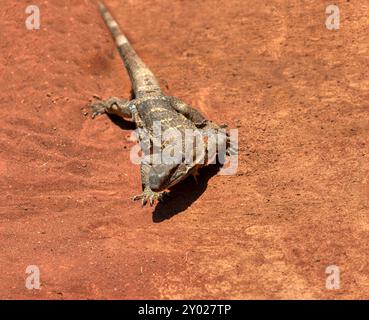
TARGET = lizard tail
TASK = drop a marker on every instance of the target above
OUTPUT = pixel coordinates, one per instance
(143, 80)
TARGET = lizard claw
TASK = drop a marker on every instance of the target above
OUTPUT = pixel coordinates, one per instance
(150, 196)
(151, 201)
(143, 201)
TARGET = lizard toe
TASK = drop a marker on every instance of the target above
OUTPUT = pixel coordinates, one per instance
(152, 200)
(143, 202)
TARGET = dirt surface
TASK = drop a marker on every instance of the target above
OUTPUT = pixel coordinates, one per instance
(297, 92)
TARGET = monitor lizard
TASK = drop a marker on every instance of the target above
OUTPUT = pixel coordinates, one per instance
(149, 106)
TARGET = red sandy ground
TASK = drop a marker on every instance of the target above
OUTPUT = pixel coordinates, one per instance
(298, 94)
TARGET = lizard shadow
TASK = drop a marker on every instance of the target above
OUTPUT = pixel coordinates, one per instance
(184, 194)
(122, 123)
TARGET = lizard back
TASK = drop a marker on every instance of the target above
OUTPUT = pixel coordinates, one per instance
(159, 109)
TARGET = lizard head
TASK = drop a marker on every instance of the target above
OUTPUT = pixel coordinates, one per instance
(176, 167)
(164, 176)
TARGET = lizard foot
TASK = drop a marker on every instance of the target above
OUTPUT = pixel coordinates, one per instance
(98, 108)
(150, 196)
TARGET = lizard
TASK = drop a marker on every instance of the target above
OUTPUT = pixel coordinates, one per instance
(149, 106)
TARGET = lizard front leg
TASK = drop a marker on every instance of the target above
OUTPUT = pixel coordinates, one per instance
(147, 194)
(113, 105)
